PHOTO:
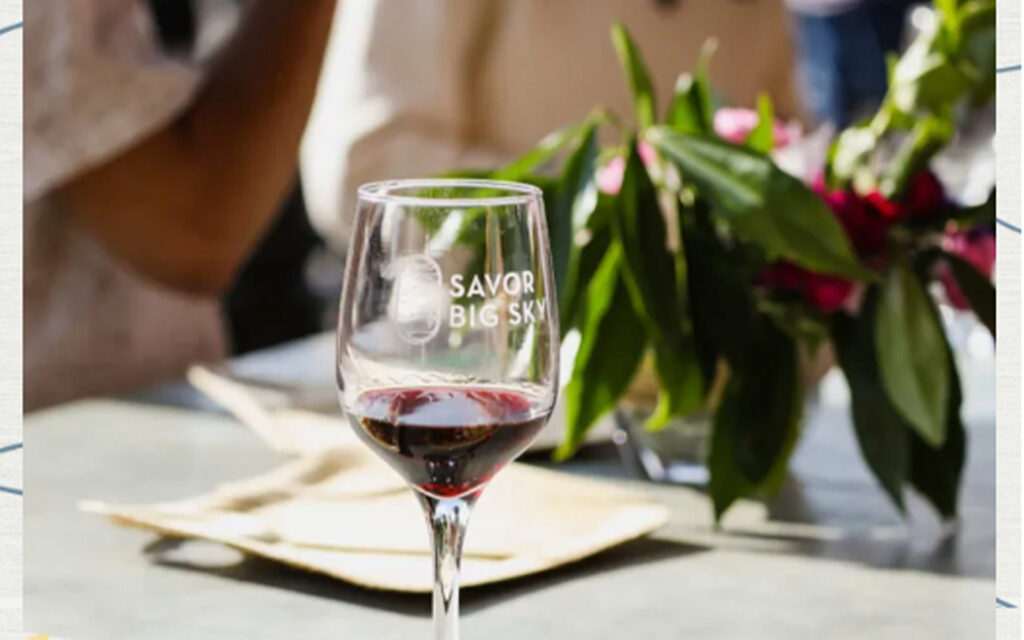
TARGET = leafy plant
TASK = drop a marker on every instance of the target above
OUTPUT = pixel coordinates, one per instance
(725, 269)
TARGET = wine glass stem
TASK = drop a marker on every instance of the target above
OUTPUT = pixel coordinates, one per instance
(448, 519)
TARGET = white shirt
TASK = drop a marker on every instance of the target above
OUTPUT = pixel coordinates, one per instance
(413, 89)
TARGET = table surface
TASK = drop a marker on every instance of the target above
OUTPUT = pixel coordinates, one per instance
(835, 560)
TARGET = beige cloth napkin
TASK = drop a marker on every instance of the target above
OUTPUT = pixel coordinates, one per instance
(339, 510)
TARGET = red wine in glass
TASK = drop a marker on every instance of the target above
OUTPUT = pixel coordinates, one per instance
(446, 441)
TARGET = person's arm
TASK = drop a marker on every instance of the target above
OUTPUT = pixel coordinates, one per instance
(187, 204)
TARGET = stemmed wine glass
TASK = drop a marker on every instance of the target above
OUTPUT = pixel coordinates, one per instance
(448, 344)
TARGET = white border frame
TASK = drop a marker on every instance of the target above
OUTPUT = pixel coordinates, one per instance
(10, 317)
(1009, 378)
(1010, 266)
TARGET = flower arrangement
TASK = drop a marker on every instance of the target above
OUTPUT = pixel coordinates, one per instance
(687, 242)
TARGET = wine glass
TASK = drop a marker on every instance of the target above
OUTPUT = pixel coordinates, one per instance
(448, 344)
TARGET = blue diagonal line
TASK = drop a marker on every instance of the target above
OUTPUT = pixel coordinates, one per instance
(7, 449)
(1008, 69)
(1004, 604)
(11, 27)
(1009, 225)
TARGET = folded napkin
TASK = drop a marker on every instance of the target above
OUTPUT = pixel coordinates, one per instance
(337, 509)
(346, 514)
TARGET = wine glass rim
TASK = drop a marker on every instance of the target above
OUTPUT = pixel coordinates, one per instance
(516, 193)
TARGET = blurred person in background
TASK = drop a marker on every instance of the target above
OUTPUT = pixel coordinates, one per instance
(843, 46)
(152, 171)
(413, 89)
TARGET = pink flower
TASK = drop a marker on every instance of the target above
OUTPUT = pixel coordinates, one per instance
(736, 125)
(609, 177)
(646, 152)
(977, 248)
(855, 300)
(828, 294)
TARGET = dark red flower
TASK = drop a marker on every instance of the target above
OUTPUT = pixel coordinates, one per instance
(925, 195)
(863, 225)
(924, 198)
(885, 208)
(825, 293)
(783, 275)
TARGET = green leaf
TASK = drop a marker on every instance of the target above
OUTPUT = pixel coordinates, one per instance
(926, 79)
(692, 108)
(936, 473)
(849, 153)
(681, 383)
(612, 344)
(721, 301)
(763, 205)
(802, 323)
(727, 483)
(573, 203)
(770, 405)
(929, 134)
(909, 343)
(650, 272)
(731, 176)
(779, 471)
(685, 111)
(648, 266)
(473, 222)
(545, 151)
(882, 433)
(704, 93)
(636, 73)
(579, 182)
(979, 48)
(762, 138)
(950, 6)
(948, 14)
(983, 214)
(979, 290)
(584, 262)
(758, 420)
(978, 15)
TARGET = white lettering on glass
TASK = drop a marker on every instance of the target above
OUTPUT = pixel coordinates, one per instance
(513, 292)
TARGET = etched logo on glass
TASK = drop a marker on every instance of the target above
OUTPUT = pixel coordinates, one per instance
(418, 298)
